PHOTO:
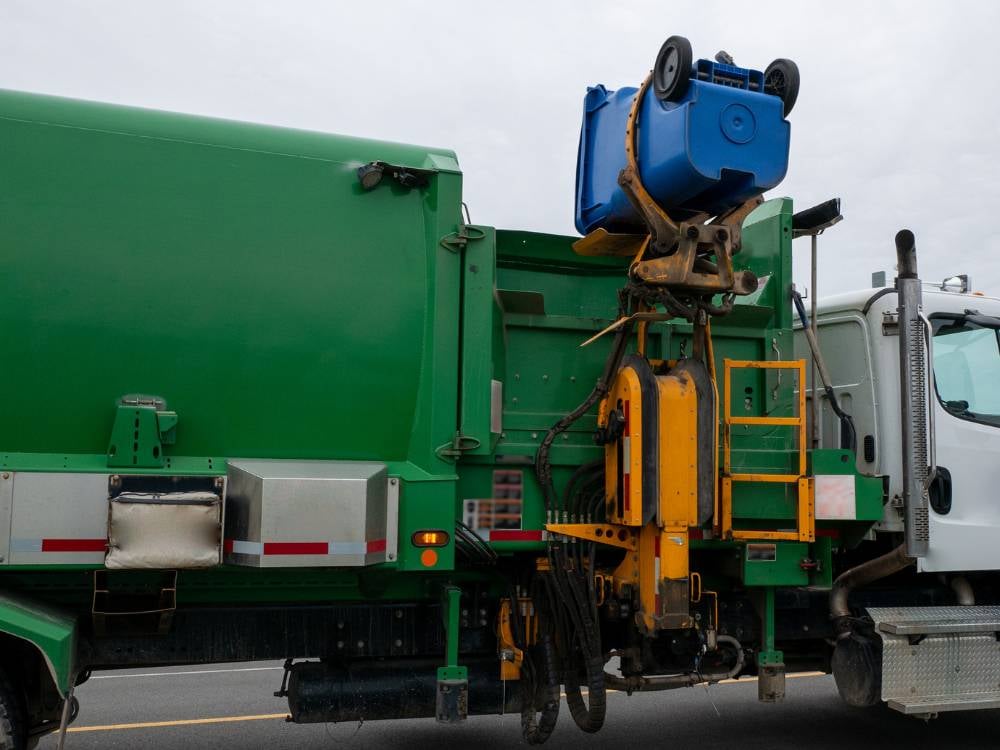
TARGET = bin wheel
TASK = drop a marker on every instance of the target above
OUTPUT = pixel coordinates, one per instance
(672, 70)
(782, 80)
(13, 732)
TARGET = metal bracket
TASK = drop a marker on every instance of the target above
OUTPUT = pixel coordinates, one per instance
(458, 445)
(370, 175)
(604, 533)
(458, 241)
(141, 428)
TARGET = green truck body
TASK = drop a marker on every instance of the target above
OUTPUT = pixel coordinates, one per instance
(283, 311)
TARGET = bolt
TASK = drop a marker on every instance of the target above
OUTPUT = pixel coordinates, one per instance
(534, 436)
(340, 644)
(958, 668)
(692, 232)
(399, 643)
(399, 614)
(545, 377)
(6, 475)
(517, 376)
(390, 556)
(514, 400)
(721, 235)
(572, 378)
(361, 644)
(393, 481)
(340, 625)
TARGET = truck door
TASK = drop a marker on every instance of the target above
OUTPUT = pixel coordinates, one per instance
(965, 497)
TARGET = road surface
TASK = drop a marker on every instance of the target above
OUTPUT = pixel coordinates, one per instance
(225, 707)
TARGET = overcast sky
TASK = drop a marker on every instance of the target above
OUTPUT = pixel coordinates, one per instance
(898, 111)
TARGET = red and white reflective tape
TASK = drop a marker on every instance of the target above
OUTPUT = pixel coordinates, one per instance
(259, 549)
(59, 545)
(627, 459)
(656, 572)
(516, 535)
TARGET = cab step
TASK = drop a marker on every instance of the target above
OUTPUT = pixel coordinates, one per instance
(937, 659)
(937, 620)
(936, 704)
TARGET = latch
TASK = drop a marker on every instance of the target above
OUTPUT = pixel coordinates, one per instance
(458, 445)
(457, 241)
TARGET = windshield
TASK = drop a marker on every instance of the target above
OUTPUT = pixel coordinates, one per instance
(967, 368)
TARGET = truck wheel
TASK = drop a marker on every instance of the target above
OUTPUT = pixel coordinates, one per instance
(12, 719)
(672, 70)
(782, 79)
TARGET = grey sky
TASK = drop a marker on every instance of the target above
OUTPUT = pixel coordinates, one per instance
(898, 111)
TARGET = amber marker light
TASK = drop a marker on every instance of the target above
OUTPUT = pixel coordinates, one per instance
(430, 538)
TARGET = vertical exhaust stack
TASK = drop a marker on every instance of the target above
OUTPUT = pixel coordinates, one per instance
(913, 374)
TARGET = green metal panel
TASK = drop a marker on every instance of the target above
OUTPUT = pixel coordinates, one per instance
(52, 632)
(775, 564)
(237, 271)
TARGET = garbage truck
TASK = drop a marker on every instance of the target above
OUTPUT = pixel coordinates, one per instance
(272, 395)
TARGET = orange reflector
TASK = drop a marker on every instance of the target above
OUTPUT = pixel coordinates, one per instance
(433, 538)
(428, 558)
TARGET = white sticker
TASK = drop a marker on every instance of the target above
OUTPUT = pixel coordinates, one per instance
(835, 499)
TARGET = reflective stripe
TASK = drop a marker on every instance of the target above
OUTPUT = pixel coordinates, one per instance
(58, 545)
(257, 549)
(515, 535)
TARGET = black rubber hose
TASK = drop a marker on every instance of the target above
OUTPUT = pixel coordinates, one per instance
(846, 420)
(537, 726)
(589, 715)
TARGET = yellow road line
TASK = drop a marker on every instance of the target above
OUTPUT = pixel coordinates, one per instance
(266, 717)
(177, 723)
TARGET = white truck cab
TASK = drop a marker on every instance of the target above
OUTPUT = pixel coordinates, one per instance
(858, 334)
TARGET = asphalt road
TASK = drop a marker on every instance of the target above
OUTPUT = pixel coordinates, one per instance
(225, 707)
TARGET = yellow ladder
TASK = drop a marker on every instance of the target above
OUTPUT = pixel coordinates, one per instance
(806, 515)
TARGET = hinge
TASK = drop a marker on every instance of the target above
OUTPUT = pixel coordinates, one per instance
(458, 445)
(466, 233)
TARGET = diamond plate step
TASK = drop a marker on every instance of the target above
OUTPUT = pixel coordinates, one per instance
(936, 620)
(953, 663)
(936, 704)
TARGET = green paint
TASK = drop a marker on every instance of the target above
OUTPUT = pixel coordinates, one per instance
(236, 270)
(138, 435)
(451, 606)
(50, 631)
(775, 564)
(768, 655)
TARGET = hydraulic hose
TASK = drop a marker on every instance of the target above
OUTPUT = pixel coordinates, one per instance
(846, 420)
(537, 727)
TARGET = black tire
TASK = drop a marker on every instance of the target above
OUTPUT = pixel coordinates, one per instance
(672, 70)
(782, 80)
(13, 732)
